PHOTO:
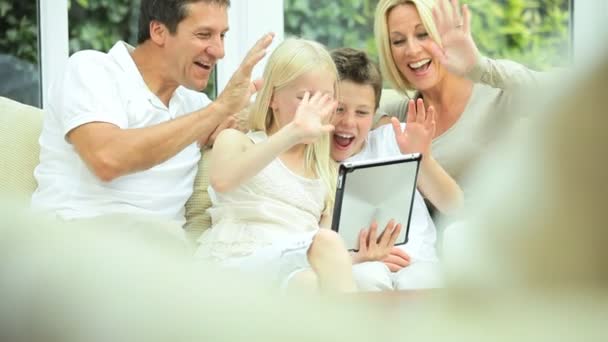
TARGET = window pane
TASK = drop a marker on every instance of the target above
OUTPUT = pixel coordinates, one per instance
(535, 33)
(19, 69)
(98, 24)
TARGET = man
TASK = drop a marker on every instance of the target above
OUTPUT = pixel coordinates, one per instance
(121, 130)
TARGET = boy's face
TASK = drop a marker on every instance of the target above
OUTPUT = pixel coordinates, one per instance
(353, 119)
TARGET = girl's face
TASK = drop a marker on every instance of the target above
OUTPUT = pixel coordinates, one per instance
(285, 100)
(410, 43)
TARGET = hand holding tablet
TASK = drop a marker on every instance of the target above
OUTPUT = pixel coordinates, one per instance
(378, 190)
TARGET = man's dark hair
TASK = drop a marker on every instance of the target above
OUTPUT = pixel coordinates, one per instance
(355, 66)
(168, 12)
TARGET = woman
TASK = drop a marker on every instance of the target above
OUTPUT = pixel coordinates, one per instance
(426, 46)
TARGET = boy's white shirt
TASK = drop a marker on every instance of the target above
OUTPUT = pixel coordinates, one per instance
(422, 235)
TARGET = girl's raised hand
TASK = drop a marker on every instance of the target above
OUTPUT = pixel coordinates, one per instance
(458, 52)
(419, 129)
(312, 115)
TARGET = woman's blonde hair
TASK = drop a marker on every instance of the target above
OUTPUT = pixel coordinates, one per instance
(291, 59)
(388, 67)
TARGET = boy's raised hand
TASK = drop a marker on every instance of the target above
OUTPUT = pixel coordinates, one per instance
(377, 248)
(419, 129)
(312, 115)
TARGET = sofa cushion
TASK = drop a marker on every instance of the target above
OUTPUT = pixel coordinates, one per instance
(20, 127)
(197, 219)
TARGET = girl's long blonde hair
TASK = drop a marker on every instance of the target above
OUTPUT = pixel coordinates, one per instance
(291, 59)
(388, 67)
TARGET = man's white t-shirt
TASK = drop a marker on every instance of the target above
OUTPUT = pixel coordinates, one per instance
(100, 87)
(381, 143)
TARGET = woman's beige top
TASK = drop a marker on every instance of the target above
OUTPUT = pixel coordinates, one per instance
(485, 116)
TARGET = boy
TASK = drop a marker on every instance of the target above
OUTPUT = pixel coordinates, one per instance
(415, 264)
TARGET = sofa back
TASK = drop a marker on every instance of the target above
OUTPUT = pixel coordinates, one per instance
(20, 127)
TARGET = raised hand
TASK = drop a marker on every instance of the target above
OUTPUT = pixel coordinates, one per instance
(419, 129)
(458, 52)
(311, 117)
(240, 88)
(374, 248)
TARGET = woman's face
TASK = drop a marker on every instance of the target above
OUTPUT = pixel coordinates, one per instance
(285, 101)
(410, 44)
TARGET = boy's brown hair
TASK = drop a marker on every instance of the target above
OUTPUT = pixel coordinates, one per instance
(356, 66)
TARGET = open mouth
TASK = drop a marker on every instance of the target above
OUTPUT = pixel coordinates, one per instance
(205, 66)
(420, 66)
(343, 141)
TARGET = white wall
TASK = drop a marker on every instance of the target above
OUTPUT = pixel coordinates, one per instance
(249, 20)
(53, 40)
(590, 29)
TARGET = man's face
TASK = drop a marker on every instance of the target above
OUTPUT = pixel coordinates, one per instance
(197, 44)
(353, 119)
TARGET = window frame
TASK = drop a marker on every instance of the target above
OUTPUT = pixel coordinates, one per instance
(249, 21)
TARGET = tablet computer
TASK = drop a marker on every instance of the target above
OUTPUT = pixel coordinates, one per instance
(375, 190)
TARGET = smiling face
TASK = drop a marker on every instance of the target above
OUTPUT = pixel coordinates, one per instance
(410, 41)
(353, 119)
(285, 100)
(197, 44)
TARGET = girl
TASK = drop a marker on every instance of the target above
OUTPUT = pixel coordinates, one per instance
(273, 188)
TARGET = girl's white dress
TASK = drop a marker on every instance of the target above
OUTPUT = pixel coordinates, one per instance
(264, 221)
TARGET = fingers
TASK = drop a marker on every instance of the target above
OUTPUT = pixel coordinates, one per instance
(393, 267)
(305, 98)
(363, 241)
(430, 117)
(395, 234)
(396, 260)
(411, 112)
(325, 103)
(466, 19)
(397, 126)
(400, 253)
(441, 13)
(456, 19)
(256, 86)
(420, 111)
(327, 128)
(257, 52)
(437, 52)
(386, 236)
(373, 233)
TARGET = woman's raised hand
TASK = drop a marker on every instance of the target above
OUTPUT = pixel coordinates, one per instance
(312, 115)
(458, 52)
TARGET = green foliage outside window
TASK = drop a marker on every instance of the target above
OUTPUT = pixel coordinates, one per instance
(93, 24)
(533, 32)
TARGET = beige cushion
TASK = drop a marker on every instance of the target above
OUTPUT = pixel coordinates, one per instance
(197, 219)
(20, 127)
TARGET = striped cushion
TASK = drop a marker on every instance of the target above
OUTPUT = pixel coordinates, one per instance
(20, 127)
(197, 219)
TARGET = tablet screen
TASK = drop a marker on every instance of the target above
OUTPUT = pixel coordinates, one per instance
(379, 191)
